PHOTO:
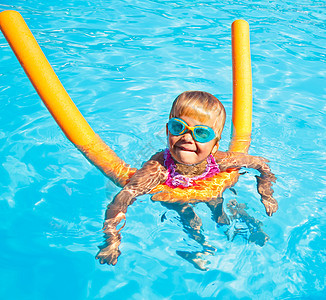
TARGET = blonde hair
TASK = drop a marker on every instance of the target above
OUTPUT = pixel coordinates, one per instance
(200, 105)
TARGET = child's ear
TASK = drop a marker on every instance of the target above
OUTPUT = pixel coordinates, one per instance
(215, 148)
(167, 130)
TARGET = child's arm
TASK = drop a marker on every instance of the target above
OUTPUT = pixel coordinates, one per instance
(150, 175)
(228, 160)
(143, 181)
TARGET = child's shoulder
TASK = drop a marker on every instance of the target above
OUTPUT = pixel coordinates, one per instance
(158, 156)
(218, 155)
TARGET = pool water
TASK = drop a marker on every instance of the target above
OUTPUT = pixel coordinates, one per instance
(123, 62)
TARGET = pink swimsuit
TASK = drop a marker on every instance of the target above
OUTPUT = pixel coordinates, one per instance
(177, 180)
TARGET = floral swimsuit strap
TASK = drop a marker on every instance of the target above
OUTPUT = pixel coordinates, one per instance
(177, 180)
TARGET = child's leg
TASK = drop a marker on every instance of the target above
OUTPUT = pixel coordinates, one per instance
(193, 226)
(189, 219)
(257, 235)
(218, 214)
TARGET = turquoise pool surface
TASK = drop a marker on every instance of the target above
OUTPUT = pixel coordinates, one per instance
(123, 62)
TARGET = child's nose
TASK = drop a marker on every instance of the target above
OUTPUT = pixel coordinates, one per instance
(187, 137)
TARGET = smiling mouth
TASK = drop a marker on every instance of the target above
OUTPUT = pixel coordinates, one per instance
(185, 149)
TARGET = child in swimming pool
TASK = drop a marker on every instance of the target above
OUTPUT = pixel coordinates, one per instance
(194, 129)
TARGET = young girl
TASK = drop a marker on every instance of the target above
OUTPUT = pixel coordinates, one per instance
(194, 129)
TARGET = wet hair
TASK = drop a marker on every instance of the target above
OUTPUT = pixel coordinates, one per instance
(200, 105)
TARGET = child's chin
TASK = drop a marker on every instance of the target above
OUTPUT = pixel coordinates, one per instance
(187, 158)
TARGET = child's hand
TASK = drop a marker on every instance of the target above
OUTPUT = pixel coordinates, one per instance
(110, 252)
(270, 204)
(264, 187)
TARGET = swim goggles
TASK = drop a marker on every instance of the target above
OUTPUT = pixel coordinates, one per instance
(200, 133)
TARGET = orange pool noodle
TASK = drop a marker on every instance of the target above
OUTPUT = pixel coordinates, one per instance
(78, 131)
(242, 87)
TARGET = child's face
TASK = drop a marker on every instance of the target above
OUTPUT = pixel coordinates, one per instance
(184, 149)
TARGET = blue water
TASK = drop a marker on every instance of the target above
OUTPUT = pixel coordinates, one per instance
(123, 62)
